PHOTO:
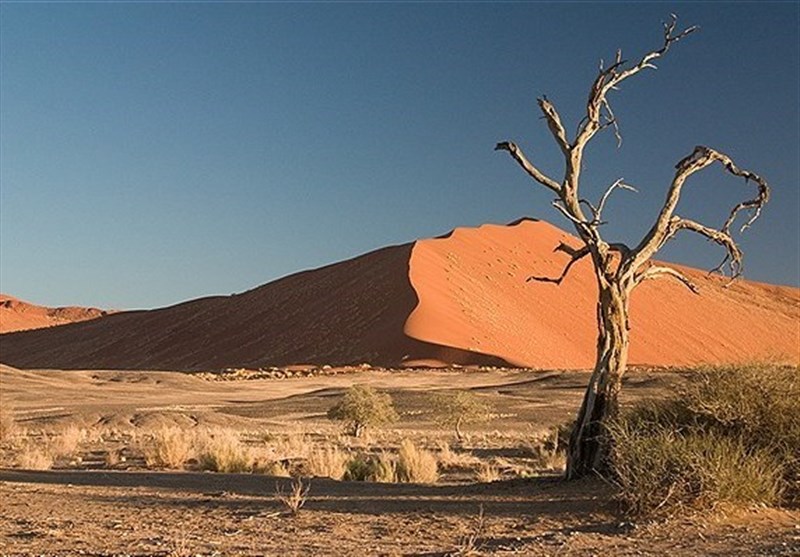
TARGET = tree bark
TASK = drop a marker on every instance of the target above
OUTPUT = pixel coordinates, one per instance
(588, 445)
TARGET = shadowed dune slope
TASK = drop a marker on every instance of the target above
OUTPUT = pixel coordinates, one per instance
(349, 312)
(19, 315)
(460, 299)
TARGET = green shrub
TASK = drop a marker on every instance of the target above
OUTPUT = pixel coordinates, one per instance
(729, 434)
(454, 409)
(662, 470)
(361, 407)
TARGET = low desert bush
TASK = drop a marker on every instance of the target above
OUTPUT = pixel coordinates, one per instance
(169, 447)
(362, 407)
(416, 465)
(223, 451)
(328, 462)
(730, 434)
(373, 468)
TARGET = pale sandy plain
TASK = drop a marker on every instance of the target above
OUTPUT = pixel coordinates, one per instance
(91, 508)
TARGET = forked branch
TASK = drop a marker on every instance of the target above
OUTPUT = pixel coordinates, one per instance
(575, 256)
(657, 271)
(667, 224)
(609, 79)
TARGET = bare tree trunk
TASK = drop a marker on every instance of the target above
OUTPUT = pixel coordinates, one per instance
(588, 445)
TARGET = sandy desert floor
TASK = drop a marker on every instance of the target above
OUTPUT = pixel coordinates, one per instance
(90, 505)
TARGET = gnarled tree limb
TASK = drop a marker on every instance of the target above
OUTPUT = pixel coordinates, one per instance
(526, 165)
(657, 271)
(667, 224)
(554, 123)
(575, 256)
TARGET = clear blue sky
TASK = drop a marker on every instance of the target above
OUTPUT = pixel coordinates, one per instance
(153, 153)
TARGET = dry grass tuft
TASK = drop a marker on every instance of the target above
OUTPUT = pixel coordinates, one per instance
(416, 465)
(169, 447)
(328, 462)
(223, 451)
(295, 498)
(729, 435)
(8, 427)
(376, 468)
(488, 473)
(67, 442)
(32, 456)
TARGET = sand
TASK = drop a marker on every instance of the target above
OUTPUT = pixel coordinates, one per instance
(459, 299)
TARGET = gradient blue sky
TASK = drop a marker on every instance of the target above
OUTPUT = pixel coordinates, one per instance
(152, 153)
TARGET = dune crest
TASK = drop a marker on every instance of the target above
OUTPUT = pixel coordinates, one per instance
(461, 298)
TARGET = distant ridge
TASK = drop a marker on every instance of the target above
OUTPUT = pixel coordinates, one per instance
(19, 315)
(461, 298)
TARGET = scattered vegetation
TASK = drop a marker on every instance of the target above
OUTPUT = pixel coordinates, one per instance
(471, 544)
(34, 456)
(730, 434)
(362, 407)
(457, 408)
(416, 465)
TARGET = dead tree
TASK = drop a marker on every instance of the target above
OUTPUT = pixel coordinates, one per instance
(619, 268)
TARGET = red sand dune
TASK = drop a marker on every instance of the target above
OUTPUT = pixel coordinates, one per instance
(18, 315)
(461, 299)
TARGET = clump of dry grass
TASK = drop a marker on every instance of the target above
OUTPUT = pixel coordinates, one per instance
(665, 471)
(295, 446)
(67, 442)
(223, 451)
(276, 468)
(169, 447)
(295, 498)
(328, 462)
(448, 458)
(488, 472)
(416, 465)
(373, 468)
(34, 456)
(8, 426)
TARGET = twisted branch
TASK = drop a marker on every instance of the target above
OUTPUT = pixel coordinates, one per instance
(526, 165)
(575, 256)
(657, 271)
(667, 224)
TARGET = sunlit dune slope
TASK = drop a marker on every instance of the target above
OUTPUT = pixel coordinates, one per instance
(474, 295)
(460, 299)
(18, 315)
